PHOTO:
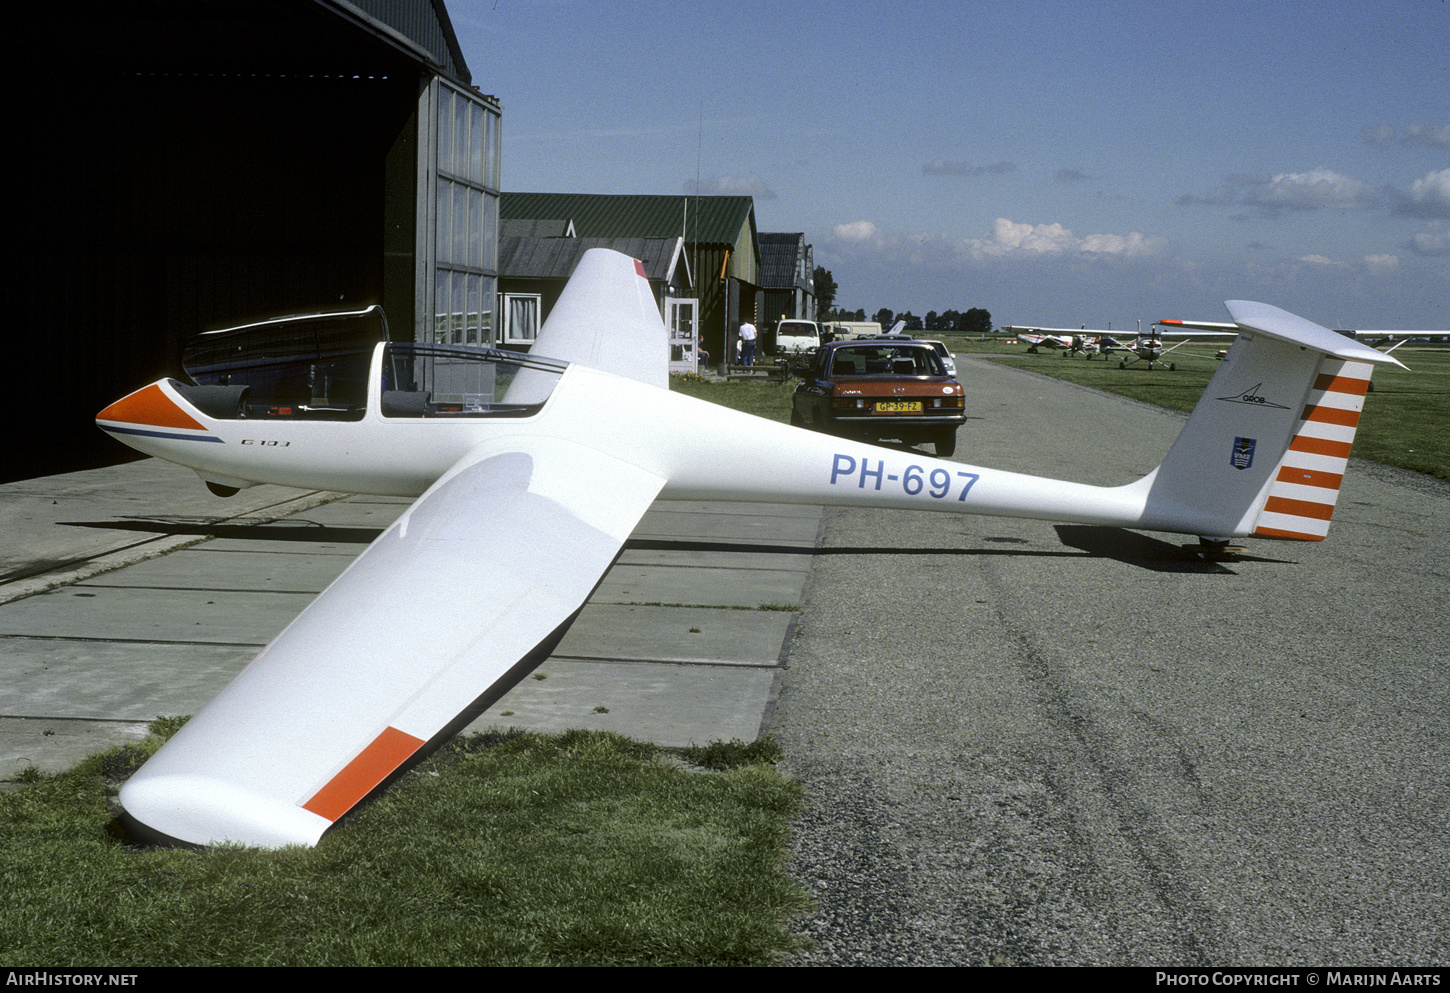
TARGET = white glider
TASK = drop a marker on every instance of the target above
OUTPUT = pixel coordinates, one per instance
(530, 474)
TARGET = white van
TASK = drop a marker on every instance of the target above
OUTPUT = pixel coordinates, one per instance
(794, 337)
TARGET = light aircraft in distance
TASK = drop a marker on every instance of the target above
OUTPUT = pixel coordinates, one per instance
(529, 473)
(1150, 348)
(1069, 341)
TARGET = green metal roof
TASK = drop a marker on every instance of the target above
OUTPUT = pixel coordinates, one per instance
(707, 220)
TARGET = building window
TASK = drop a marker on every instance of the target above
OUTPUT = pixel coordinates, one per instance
(465, 244)
(521, 318)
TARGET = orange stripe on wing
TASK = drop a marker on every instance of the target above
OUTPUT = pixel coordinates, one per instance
(150, 406)
(373, 764)
(1330, 383)
(1320, 446)
(1291, 535)
(1331, 415)
(1299, 508)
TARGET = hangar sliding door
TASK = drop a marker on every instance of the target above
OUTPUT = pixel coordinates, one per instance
(458, 193)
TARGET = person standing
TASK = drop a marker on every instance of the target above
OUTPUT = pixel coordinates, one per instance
(747, 340)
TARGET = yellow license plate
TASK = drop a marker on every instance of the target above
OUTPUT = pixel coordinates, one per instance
(898, 406)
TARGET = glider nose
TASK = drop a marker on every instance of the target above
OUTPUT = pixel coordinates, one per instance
(151, 406)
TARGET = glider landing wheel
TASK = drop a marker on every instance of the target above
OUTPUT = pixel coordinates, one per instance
(1215, 550)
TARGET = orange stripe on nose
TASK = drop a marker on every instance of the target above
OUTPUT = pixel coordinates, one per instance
(150, 406)
(373, 764)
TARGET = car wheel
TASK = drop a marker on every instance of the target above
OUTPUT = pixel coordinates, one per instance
(946, 444)
(796, 421)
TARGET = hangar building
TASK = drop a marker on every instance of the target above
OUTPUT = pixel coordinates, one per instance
(185, 166)
(717, 234)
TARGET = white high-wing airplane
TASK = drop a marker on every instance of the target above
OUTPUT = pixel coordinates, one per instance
(1088, 341)
(530, 472)
(1069, 340)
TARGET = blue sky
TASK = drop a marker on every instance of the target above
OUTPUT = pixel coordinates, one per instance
(1056, 163)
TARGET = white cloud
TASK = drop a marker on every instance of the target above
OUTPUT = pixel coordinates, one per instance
(1424, 135)
(1272, 195)
(1426, 197)
(1311, 191)
(1011, 239)
(1318, 260)
(1434, 242)
(856, 231)
(1381, 265)
(735, 186)
(1431, 135)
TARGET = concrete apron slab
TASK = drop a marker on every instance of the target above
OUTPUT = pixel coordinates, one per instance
(658, 653)
(680, 643)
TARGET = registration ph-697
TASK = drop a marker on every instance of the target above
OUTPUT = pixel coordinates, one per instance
(938, 484)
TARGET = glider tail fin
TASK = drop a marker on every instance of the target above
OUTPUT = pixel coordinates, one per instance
(607, 318)
(1266, 447)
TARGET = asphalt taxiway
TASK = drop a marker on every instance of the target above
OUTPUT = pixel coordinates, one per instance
(1037, 744)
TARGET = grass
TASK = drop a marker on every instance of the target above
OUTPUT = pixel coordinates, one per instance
(517, 848)
(1404, 422)
(760, 397)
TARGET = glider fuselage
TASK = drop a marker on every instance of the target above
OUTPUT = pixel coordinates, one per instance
(701, 450)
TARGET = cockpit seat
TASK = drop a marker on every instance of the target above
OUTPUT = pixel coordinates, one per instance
(405, 403)
(221, 402)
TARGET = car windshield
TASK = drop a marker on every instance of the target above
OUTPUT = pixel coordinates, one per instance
(885, 360)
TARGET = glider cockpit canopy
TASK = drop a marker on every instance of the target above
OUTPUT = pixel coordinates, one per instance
(317, 367)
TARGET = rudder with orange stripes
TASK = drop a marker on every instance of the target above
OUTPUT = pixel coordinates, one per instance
(1305, 485)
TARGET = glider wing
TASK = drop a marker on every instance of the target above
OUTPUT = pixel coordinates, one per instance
(451, 606)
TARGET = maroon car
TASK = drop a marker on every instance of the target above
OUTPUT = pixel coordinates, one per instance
(878, 389)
